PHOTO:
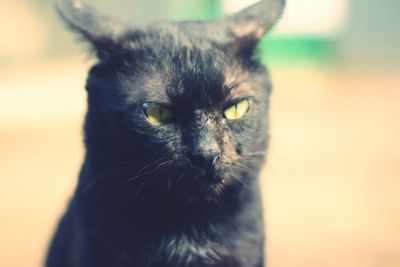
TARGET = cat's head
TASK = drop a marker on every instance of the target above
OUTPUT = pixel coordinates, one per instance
(185, 102)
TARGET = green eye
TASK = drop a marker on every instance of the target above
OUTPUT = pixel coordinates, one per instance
(157, 114)
(237, 110)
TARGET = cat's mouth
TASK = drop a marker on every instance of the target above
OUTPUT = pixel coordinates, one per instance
(188, 172)
(207, 175)
(196, 184)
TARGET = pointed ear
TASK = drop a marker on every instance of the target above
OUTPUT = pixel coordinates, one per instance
(101, 31)
(248, 26)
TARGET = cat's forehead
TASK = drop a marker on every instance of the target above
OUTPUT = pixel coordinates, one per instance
(193, 86)
(176, 66)
(175, 35)
(196, 84)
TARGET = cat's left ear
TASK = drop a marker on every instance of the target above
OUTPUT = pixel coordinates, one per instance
(248, 26)
(101, 31)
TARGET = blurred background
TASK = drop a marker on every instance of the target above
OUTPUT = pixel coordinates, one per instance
(332, 181)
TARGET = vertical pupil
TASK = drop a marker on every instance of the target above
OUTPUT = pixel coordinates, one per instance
(236, 111)
(160, 112)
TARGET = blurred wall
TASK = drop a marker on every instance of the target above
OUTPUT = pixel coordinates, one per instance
(367, 30)
(373, 32)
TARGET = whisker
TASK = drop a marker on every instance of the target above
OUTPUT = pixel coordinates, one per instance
(255, 154)
(149, 172)
(111, 190)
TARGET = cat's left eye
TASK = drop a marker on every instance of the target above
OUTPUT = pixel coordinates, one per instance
(157, 114)
(238, 110)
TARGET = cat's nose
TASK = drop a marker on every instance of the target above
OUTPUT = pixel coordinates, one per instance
(204, 160)
(206, 150)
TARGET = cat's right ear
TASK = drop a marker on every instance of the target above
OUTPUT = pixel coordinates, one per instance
(101, 31)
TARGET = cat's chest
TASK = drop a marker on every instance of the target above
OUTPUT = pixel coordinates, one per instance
(178, 249)
(197, 247)
(182, 248)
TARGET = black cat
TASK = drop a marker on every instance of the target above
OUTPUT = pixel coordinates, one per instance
(175, 135)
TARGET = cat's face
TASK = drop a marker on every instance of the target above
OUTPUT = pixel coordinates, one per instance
(184, 101)
(214, 110)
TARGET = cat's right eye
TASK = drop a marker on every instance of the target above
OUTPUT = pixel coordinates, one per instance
(157, 114)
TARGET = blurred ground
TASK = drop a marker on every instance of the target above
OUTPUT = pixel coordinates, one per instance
(331, 183)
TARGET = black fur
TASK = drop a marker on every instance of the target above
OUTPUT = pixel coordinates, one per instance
(142, 200)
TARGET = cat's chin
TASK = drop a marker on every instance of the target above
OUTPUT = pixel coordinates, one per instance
(209, 187)
(211, 193)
